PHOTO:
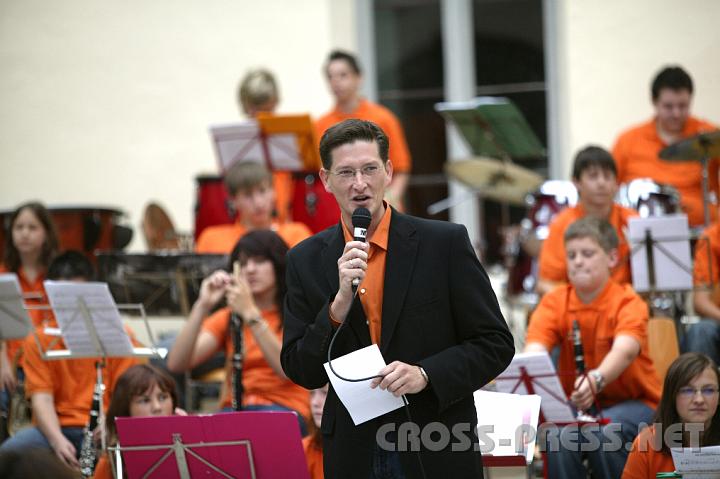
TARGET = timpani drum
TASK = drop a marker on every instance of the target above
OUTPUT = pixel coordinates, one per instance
(212, 203)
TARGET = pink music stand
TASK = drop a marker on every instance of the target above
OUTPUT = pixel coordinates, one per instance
(236, 445)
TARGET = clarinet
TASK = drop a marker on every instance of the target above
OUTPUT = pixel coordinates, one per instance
(88, 451)
(236, 329)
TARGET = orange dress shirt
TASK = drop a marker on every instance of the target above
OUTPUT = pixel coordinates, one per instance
(553, 264)
(260, 383)
(372, 287)
(70, 381)
(636, 156)
(646, 463)
(616, 310)
(385, 119)
(221, 239)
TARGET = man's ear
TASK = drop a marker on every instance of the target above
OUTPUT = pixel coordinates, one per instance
(388, 172)
(325, 178)
(614, 257)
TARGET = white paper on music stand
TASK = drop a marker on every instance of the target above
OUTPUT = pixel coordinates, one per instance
(538, 363)
(697, 463)
(669, 233)
(502, 418)
(14, 319)
(243, 142)
(362, 402)
(64, 296)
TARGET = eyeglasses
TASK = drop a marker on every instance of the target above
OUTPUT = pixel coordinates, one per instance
(689, 392)
(349, 174)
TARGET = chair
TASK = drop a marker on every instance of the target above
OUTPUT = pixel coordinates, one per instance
(663, 343)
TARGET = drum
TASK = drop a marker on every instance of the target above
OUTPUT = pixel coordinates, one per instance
(212, 203)
(82, 228)
(551, 198)
(166, 283)
(649, 198)
(312, 204)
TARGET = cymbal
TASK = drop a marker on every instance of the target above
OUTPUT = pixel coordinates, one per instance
(703, 145)
(498, 180)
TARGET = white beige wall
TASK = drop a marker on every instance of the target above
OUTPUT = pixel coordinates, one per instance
(108, 102)
(610, 51)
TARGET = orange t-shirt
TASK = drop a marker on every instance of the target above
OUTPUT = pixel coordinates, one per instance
(314, 457)
(102, 468)
(399, 152)
(221, 239)
(260, 383)
(553, 264)
(636, 156)
(37, 316)
(646, 463)
(70, 381)
(283, 187)
(616, 310)
(372, 287)
(707, 252)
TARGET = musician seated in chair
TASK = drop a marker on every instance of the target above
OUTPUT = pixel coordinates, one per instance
(61, 391)
(613, 323)
(595, 177)
(704, 336)
(255, 297)
(251, 190)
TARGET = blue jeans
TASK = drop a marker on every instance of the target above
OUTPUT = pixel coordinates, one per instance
(703, 337)
(32, 438)
(606, 446)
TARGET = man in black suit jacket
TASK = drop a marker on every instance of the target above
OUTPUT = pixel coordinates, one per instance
(440, 330)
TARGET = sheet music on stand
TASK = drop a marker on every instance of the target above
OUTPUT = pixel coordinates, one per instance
(667, 266)
(282, 143)
(14, 319)
(546, 383)
(75, 305)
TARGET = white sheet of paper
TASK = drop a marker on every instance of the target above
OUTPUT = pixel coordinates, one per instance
(64, 296)
(538, 364)
(507, 414)
(241, 142)
(362, 402)
(14, 319)
(702, 463)
(668, 251)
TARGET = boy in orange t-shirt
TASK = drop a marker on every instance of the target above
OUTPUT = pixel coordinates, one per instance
(613, 323)
(595, 177)
(61, 390)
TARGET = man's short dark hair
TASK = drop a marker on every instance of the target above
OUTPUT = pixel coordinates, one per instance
(599, 230)
(246, 175)
(71, 265)
(593, 157)
(345, 56)
(350, 131)
(673, 78)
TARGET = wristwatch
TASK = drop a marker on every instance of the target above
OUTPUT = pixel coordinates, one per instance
(424, 375)
(599, 379)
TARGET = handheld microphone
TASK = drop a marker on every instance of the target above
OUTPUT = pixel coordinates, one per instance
(578, 349)
(361, 218)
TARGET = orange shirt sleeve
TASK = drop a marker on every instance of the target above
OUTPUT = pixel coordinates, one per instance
(632, 317)
(218, 325)
(545, 321)
(38, 377)
(620, 155)
(293, 233)
(399, 152)
(552, 254)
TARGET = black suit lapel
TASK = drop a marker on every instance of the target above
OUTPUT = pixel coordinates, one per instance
(356, 317)
(399, 266)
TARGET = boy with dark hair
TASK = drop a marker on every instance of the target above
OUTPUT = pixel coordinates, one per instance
(61, 390)
(251, 190)
(613, 326)
(345, 78)
(636, 150)
(595, 178)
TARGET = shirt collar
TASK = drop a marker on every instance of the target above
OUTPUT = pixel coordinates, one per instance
(380, 236)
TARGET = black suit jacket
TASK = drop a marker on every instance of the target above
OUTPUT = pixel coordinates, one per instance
(439, 312)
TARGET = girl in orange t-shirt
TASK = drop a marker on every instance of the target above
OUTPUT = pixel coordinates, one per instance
(30, 246)
(689, 404)
(255, 295)
(142, 390)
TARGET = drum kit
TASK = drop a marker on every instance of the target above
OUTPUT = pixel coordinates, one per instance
(507, 182)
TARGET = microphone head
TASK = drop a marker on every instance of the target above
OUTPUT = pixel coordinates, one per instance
(361, 218)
